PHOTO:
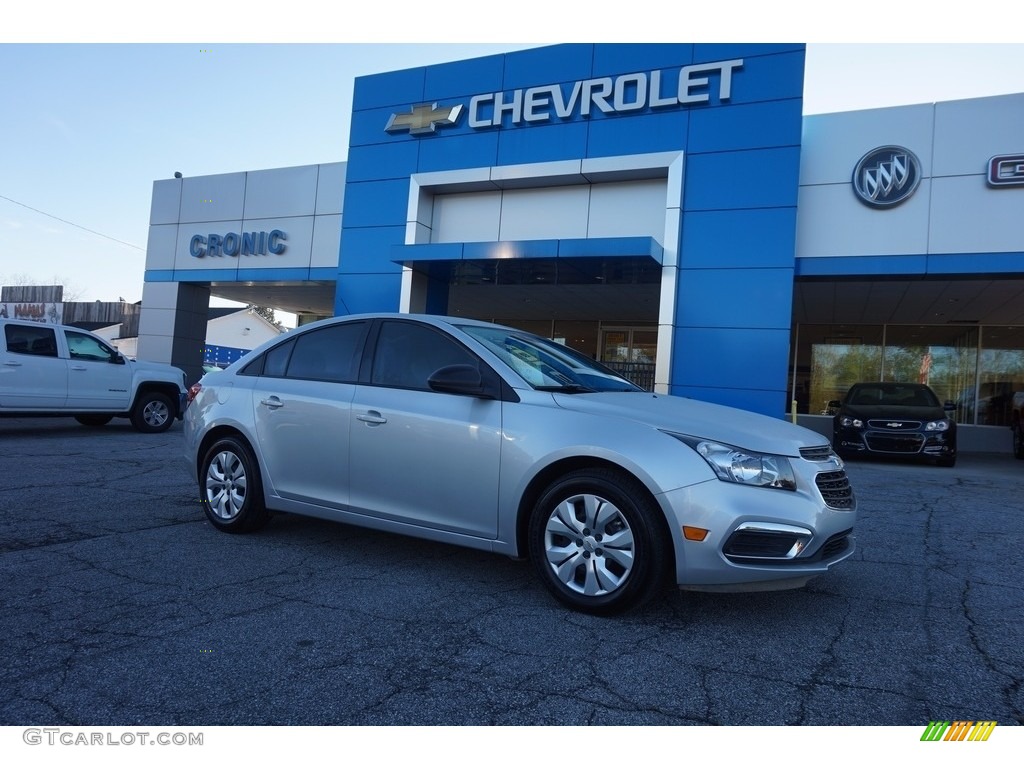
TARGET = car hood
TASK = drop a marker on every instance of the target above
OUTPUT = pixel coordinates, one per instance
(894, 412)
(682, 415)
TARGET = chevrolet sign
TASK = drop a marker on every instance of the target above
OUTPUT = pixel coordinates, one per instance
(695, 84)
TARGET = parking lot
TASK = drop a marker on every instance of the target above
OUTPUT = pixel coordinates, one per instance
(123, 606)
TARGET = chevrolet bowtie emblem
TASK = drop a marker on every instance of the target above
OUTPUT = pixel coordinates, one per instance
(424, 118)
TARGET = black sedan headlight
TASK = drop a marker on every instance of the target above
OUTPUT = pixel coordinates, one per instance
(738, 465)
(849, 421)
(939, 425)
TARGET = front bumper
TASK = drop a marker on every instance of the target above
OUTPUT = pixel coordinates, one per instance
(880, 442)
(754, 539)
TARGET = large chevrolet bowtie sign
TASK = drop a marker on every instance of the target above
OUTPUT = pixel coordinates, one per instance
(634, 92)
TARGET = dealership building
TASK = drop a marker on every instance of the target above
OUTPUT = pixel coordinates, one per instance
(665, 208)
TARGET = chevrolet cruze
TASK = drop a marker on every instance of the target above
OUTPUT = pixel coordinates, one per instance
(488, 437)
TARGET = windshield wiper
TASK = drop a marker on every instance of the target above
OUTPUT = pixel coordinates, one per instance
(571, 389)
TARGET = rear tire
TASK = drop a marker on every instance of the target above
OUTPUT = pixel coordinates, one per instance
(230, 487)
(597, 540)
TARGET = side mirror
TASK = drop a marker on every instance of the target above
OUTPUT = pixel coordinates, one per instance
(117, 358)
(459, 380)
(949, 405)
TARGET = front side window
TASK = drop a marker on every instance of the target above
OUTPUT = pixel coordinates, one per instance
(82, 346)
(31, 340)
(407, 354)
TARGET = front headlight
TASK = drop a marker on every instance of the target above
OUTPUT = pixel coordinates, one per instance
(937, 426)
(737, 465)
(846, 421)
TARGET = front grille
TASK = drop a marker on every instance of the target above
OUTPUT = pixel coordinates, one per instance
(835, 489)
(817, 453)
(894, 443)
(899, 424)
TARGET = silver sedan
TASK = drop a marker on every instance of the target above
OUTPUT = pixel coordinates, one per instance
(488, 437)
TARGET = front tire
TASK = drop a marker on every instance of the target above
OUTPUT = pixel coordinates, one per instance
(230, 487)
(597, 541)
(153, 412)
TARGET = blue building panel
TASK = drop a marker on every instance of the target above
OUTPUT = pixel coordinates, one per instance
(368, 250)
(727, 357)
(381, 161)
(376, 203)
(623, 58)
(367, 293)
(272, 275)
(704, 52)
(756, 237)
(662, 131)
(835, 266)
(746, 126)
(549, 65)
(542, 143)
(469, 77)
(762, 78)
(735, 298)
(760, 178)
(450, 150)
(389, 89)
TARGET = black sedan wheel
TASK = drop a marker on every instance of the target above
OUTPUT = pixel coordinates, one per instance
(597, 542)
(230, 488)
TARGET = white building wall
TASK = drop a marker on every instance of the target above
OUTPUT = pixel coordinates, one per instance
(953, 210)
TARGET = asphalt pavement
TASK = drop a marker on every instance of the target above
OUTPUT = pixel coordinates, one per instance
(123, 606)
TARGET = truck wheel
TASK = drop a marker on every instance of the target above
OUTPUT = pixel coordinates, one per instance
(153, 412)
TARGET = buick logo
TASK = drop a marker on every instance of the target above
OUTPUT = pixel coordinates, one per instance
(886, 176)
(423, 118)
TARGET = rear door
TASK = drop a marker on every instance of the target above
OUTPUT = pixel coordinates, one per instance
(32, 373)
(302, 403)
(419, 456)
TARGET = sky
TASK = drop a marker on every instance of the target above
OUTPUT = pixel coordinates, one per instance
(96, 110)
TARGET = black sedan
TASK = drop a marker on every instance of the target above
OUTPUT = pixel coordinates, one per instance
(889, 419)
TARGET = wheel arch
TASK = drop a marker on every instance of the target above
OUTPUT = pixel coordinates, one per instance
(549, 474)
(164, 387)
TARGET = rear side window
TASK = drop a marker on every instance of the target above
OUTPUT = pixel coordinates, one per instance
(328, 354)
(31, 340)
(275, 361)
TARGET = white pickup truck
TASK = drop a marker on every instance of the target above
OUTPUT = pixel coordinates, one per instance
(57, 370)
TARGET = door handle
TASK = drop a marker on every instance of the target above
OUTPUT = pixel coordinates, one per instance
(12, 363)
(78, 368)
(272, 402)
(372, 417)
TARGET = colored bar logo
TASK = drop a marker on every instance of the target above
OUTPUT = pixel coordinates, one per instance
(960, 730)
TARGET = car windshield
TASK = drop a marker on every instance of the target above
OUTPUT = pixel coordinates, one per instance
(894, 394)
(545, 365)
